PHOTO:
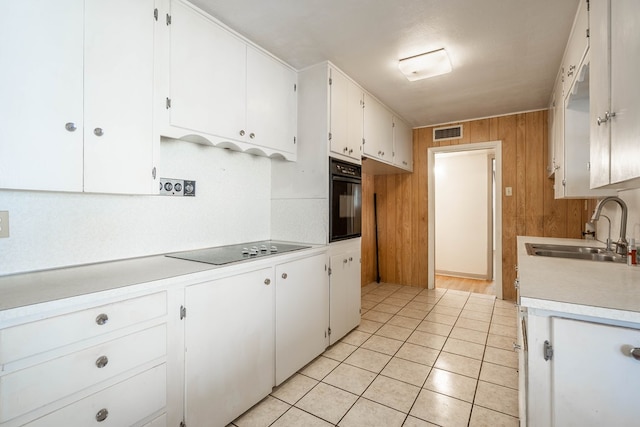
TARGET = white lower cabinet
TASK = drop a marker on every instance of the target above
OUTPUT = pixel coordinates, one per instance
(580, 371)
(302, 313)
(229, 346)
(345, 291)
(105, 363)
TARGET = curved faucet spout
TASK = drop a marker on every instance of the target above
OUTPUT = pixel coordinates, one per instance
(621, 244)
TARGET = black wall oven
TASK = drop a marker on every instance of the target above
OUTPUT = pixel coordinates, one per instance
(345, 200)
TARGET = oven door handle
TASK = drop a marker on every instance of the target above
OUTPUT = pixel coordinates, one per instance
(345, 179)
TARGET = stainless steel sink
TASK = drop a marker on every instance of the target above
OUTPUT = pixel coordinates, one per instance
(589, 253)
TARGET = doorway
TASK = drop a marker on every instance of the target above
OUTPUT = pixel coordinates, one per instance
(471, 247)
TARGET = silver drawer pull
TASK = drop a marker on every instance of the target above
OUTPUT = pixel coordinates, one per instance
(102, 361)
(284, 275)
(102, 415)
(267, 281)
(71, 127)
(102, 318)
(98, 132)
(635, 353)
(252, 135)
(241, 132)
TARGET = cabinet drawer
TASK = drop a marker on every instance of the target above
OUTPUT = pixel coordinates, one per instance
(36, 337)
(123, 404)
(28, 389)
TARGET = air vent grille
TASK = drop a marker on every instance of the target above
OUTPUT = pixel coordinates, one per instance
(450, 132)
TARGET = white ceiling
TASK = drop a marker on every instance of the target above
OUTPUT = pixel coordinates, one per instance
(505, 53)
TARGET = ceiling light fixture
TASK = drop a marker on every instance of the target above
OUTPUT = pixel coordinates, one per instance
(425, 65)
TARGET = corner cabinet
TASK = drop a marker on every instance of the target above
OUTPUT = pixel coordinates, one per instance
(615, 95)
(68, 119)
(221, 90)
(563, 347)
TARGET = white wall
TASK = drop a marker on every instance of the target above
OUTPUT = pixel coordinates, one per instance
(462, 213)
(232, 205)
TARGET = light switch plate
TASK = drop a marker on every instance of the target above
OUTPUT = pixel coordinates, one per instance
(4, 223)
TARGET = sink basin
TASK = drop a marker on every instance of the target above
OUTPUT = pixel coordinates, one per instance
(589, 253)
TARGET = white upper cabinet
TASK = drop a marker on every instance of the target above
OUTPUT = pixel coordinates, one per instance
(223, 91)
(572, 150)
(615, 94)
(208, 75)
(346, 118)
(378, 130)
(41, 86)
(402, 144)
(576, 46)
(118, 91)
(79, 109)
(271, 102)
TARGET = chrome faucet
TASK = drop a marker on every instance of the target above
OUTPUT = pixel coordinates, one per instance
(621, 244)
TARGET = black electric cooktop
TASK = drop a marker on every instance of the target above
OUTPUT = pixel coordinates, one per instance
(221, 255)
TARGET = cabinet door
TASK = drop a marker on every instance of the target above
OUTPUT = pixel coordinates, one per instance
(378, 130)
(207, 75)
(625, 91)
(594, 379)
(302, 314)
(344, 306)
(599, 92)
(346, 118)
(271, 102)
(355, 121)
(118, 131)
(229, 340)
(41, 87)
(577, 45)
(402, 144)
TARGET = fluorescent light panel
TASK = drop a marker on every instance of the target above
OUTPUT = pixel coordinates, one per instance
(425, 65)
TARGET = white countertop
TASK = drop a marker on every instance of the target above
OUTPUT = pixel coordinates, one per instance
(562, 284)
(43, 286)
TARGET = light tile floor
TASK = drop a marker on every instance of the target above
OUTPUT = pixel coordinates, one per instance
(419, 358)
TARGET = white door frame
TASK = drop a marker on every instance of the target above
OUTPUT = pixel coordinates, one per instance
(431, 241)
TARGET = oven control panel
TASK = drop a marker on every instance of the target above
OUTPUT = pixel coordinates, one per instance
(177, 187)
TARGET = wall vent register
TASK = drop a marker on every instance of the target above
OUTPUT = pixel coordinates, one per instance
(446, 133)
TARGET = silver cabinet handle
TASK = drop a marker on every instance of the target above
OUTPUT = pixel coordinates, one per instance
(635, 353)
(102, 361)
(98, 132)
(267, 281)
(345, 149)
(351, 151)
(241, 132)
(284, 275)
(344, 261)
(252, 135)
(102, 415)
(350, 258)
(102, 318)
(607, 116)
(516, 346)
(71, 127)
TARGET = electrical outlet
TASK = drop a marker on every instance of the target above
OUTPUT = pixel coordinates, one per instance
(177, 187)
(4, 223)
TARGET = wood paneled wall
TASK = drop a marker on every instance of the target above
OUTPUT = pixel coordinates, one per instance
(531, 210)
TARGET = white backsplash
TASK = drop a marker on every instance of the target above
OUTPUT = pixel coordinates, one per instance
(232, 205)
(612, 210)
(300, 220)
